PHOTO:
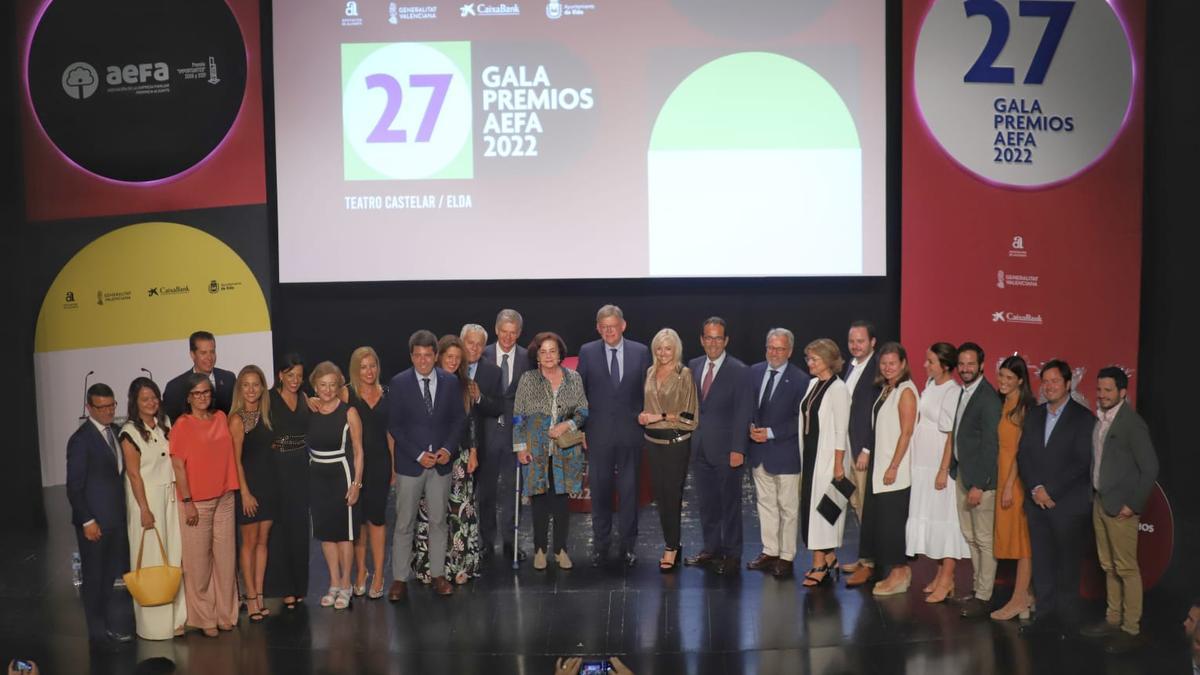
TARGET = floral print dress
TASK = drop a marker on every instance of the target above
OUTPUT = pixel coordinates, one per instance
(463, 560)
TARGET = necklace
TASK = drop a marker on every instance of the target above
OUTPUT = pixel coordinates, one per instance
(808, 402)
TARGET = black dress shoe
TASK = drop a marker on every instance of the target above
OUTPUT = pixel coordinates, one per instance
(508, 553)
(116, 636)
(727, 565)
(1124, 643)
(1044, 627)
(701, 559)
(629, 558)
(1100, 629)
(974, 609)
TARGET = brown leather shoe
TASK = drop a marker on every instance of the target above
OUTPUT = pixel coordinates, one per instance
(762, 562)
(442, 586)
(701, 559)
(782, 569)
(861, 576)
(397, 591)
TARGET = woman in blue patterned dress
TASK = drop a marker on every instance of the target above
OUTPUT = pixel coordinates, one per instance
(550, 403)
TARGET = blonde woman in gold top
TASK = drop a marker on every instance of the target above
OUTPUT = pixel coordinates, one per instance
(671, 414)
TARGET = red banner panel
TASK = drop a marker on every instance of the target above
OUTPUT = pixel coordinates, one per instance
(1022, 180)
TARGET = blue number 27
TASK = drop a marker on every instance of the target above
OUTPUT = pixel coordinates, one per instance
(1058, 12)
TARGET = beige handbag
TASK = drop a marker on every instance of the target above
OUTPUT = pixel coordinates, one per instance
(153, 586)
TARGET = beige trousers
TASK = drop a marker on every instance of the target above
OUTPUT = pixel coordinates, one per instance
(978, 528)
(210, 564)
(1116, 545)
(778, 498)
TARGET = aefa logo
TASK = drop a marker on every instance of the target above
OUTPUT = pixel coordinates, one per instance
(80, 80)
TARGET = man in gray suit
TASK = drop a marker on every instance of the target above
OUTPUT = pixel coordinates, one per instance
(1124, 467)
(975, 444)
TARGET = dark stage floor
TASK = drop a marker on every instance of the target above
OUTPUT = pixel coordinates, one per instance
(692, 622)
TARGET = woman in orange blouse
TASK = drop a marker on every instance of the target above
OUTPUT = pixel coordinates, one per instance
(1012, 530)
(206, 479)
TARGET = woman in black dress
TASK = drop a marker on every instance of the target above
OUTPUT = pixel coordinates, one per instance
(369, 398)
(334, 479)
(250, 428)
(287, 563)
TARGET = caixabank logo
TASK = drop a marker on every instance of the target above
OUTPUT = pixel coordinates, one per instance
(130, 91)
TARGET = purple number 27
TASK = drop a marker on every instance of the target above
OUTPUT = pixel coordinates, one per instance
(383, 133)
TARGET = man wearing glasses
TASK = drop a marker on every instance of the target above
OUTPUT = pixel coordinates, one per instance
(97, 495)
(202, 346)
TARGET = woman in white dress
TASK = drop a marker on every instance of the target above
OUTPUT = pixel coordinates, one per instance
(824, 423)
(933, 530)
(150, 496)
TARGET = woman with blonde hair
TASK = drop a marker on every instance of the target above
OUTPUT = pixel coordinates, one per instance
(824, 425)
(367, 395)
(250, 428)
(335, 458)
(672, 411)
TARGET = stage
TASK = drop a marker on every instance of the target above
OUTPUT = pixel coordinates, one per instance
(690, 622)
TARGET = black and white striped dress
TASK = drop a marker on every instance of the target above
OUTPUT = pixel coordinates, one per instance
(330, 471)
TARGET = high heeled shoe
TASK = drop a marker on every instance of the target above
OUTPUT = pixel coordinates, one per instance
(818, 576)
(940, 594)
(901, 587)
(1010, 612)
(669, 567)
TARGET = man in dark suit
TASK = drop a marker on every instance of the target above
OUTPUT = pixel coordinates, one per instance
(1054, 460)
(774, 388)
(96, 489)
(487, 392)
(203, 348)
(719, 447)
(614, 373)
(1124, 467)
(512, 360)
(975, 446)
(425, 419)
(859, 376)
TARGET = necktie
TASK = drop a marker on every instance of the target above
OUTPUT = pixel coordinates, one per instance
(428, 397)
(614, 369)
(112, 445)
(766, 397)
(504, 371)
(707, 383)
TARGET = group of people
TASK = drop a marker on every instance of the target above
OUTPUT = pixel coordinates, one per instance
(940, 472)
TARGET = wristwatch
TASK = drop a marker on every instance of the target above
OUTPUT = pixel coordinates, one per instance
(357, 484)
(187, 500)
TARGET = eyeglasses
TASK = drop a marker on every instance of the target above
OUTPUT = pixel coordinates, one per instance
(547, 352)
(200, 393)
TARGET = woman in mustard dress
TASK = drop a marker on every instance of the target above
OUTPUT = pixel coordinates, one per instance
(1012, 530)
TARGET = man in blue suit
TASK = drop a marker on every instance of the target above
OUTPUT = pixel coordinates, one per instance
(719, 446)
(512, 360)
(614, 372)
(95, 487)
(425, 419)
(1054, 460)
(775, 388)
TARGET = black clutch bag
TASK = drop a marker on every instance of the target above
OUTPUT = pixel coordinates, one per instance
(835, 499)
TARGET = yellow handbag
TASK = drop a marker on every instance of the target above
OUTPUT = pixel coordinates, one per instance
(153, 586)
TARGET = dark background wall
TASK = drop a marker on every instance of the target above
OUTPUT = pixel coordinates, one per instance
(328, 321)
